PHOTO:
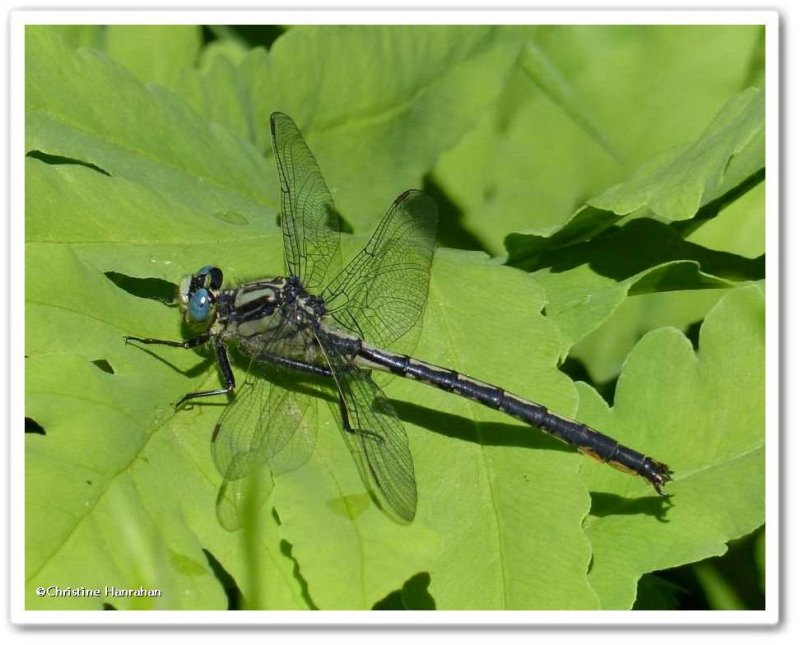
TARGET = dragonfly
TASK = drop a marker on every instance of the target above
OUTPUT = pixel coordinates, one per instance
(339, 330)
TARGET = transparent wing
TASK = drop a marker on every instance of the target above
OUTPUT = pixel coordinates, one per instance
(381, 293)
(309, 220)
(241, 499)
(265, 423)
(376, 438)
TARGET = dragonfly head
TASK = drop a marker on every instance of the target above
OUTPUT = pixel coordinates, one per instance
(198, 295)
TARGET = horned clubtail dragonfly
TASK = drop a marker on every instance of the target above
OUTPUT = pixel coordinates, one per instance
(340, 330)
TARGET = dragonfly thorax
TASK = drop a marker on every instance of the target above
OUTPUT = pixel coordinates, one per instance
(295, 292)
(279, 308)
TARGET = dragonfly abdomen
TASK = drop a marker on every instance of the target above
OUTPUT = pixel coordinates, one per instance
(590, 442)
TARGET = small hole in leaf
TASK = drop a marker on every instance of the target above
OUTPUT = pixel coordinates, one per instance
(104, 365)
(148, 288)
(31, 427)
(58, 160)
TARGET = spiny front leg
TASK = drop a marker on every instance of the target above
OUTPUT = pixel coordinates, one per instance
(202, 339)
(227, 374)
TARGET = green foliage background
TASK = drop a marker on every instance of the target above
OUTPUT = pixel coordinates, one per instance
(617, 172)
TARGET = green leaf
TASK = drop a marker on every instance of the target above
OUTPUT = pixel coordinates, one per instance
(479, 484)
(546, 75)
(231, 90)
(674, 188)
(531, 164)
(590, 270)
(87, 413)
(90, 216)
(112, 497)
(740, 228)
(79, 35)
(90, 109)
(704, 415)
(603, 351)
(129, 186)
(154, 53)
(654, 593)
(587, 283)
(411, 93)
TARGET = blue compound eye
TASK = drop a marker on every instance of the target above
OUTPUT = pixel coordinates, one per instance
(200, 305)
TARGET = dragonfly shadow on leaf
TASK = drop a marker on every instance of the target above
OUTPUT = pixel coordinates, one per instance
(518, 436)
(489, 433)
(605, 504)
(147, 288)
(201, 368)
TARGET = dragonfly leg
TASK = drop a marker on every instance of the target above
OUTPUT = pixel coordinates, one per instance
(202, 339)
(349, 428)
(294, 364)
(227, 374)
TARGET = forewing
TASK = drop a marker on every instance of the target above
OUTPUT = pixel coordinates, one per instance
(309, 220)
(381, 293)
